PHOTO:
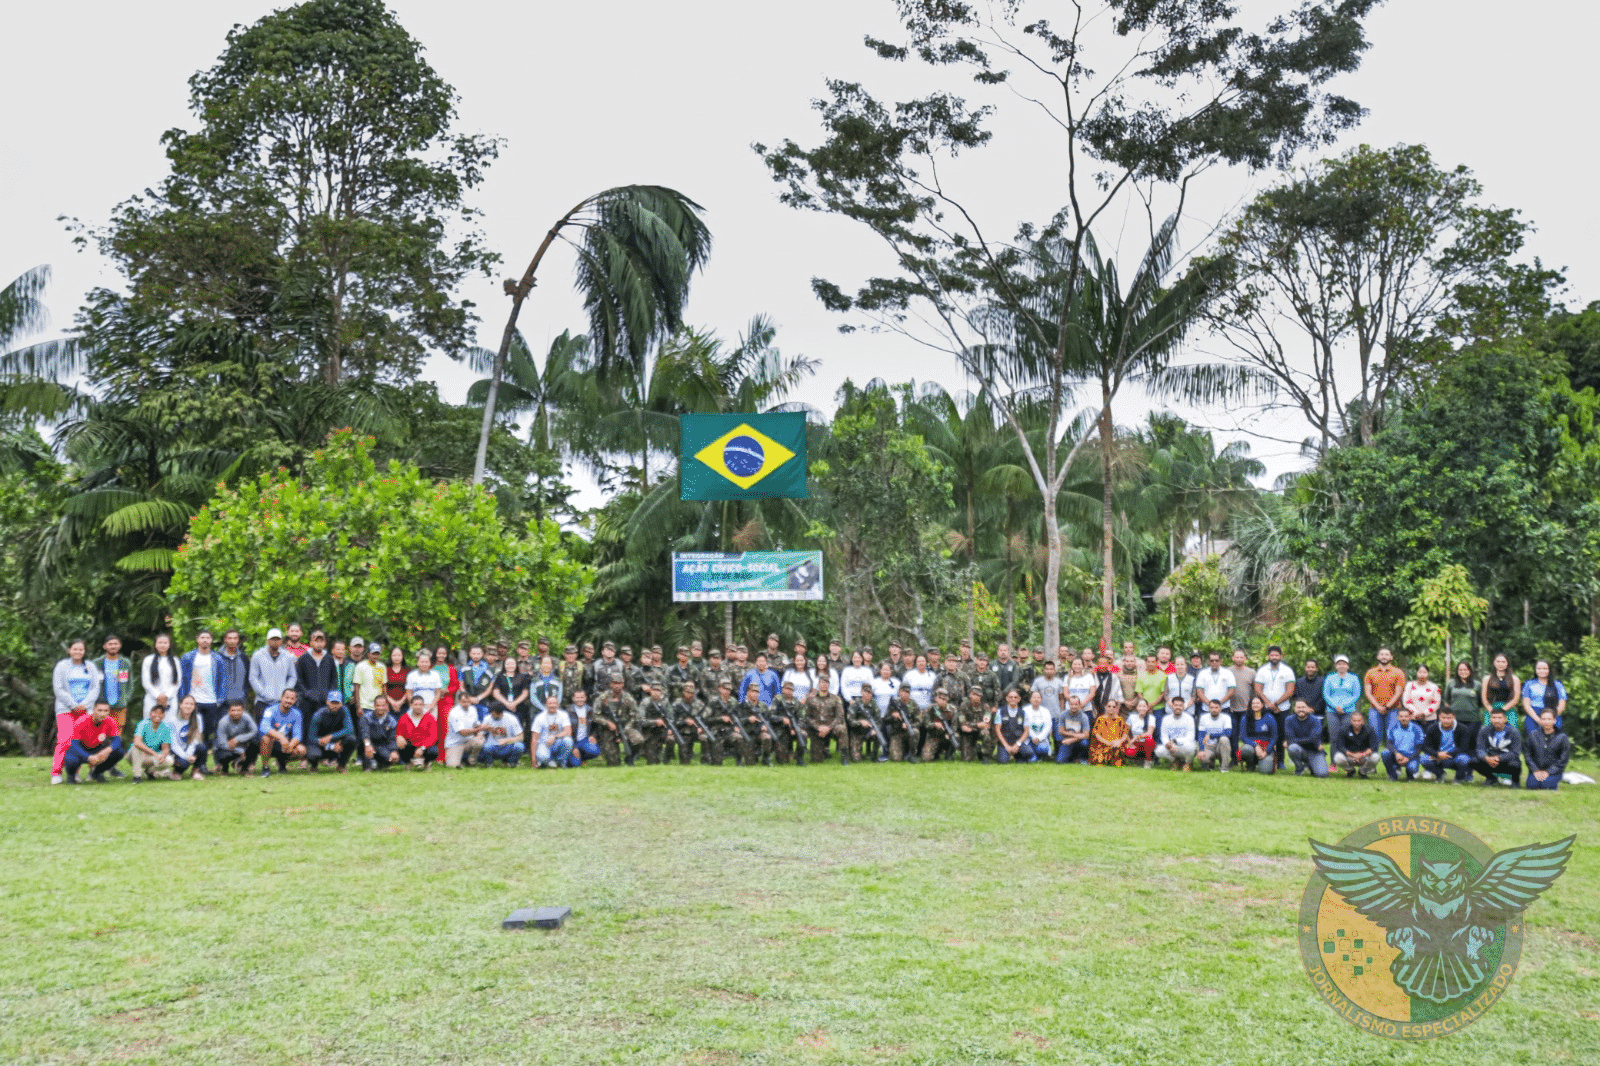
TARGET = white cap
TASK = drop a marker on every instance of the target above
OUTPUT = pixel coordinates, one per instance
(358, 640)
(274, 632)
(1341, 659)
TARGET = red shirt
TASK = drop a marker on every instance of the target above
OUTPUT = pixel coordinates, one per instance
(91, 734)
(296, 650)
(423, 732)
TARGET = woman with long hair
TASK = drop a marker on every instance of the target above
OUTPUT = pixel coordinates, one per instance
(800, 676)
(1109, 736)
(1422, 697)
(1141, 732)
(827, 669)
(1543, 692)
(394, 677)
(449, 680)
(1501, 691)
(188, 743)
(1463, 693)
(159, 672)
(76, 684)
(1258, 738)
(510, 691)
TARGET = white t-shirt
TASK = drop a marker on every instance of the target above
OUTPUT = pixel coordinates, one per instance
(1276, 685)
(1039, 722)
(202, 686)
(1212, 726)
(461, 717)
(851, 678)
(801, 680)
(884, 689)
(424, 683)
(1214, 684)
(1137, 723)
(547, 725)
(506, 721)
(1082, 686)
(580, 715)
(921, 682)
(1177, 729)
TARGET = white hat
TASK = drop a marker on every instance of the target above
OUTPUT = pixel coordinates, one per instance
(1341, 659)
(357, 640)
(274, 632)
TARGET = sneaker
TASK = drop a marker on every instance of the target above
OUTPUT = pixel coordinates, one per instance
(1426, 775)
(1149, 763)
(1223, 770)
(264, 772)
(1187, 767)
(116, 773)
(56, 779)
(72, 779)
(198, 776)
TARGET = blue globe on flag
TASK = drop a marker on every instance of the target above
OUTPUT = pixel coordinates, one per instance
(743, 456)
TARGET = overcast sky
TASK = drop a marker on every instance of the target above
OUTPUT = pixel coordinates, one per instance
(606, 92)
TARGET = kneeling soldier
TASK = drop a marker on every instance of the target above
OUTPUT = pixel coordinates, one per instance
(976, 729)
(825, 721)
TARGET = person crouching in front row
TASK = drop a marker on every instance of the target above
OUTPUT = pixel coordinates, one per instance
(1176, 742)
(417, 735)
(237, 740)
(552, 732)
(152, 747)
(502, 737)
(282, 730)
(97, 743)
(332, 736)
(377, 729)
(188, 746)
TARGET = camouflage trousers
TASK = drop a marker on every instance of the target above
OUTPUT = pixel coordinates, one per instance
(977, 743)
(610, 749)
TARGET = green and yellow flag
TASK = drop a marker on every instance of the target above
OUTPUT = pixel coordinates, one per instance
(742, 457)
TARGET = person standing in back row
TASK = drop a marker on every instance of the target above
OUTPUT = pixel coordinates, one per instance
(1384, 685)
(1341, 692)
(202, 676)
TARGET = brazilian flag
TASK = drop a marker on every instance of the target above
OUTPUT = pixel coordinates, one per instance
(742, 457)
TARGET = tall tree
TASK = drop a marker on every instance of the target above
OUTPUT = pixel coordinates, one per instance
(639, 247)
(321, 202)
(1378, 259)
(1139, 99)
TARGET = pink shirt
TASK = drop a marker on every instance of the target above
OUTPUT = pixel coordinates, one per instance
(1421, 699)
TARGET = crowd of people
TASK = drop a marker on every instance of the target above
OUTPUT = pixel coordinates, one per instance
(316, 703)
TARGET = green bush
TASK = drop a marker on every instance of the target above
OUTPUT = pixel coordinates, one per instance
(390, 555)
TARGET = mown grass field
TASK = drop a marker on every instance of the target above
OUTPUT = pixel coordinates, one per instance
(941, 913)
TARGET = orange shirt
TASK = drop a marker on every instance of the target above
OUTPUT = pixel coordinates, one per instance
(1383, 682)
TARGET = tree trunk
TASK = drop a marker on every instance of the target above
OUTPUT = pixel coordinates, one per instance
(1449, 657)
(1052, 574)
(1108, 580)
(19, 733)
(1524, 612)
(1594, 617)
(972, 565)
(1172, 565)
(518, 291)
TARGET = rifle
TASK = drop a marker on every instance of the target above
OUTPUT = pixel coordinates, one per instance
(949, 731)
(627, 749)
(706, 736)
(794, 726)
(677, 738)
(909, 726)
(877, 731)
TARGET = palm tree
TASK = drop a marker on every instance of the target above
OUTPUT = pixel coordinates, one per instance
(33, 377)
(640, 246)
(1130, 337)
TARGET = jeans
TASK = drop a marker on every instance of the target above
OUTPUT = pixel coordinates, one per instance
(245, 753)
(180, 764)
(585, 749)
(1391, 764)
(1252, 758)
(1304, 760)
(1077, 751)
(1548, 784)
(380, 757)
(510, 754)
(553, 754)
(1026, 752)
(1460, 761)
(210, 714)
(78, 755)
(1337, 721)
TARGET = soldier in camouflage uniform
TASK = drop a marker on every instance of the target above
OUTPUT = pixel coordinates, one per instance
(753, 717)
(825, 721)
(897, 665)
(859, 715)
(697, 660)
(720, 712)
(684, 711)
(985, 679)
(788, 715)
(605, 668)
(935, 741)
(901, 723)
(653, 715)
(570, 673)
(632, 676)
(976, 726)
(654, 673)
(626, 711)
(682, 672)
(717, 671)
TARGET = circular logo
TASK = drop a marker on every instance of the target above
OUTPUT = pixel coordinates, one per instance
(1411, 928)
(743, 456)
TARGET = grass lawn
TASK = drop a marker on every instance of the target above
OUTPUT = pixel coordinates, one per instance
(941, 913)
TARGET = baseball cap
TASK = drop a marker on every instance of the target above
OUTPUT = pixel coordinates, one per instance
(335, 696)
(274, 632)
(374, 647)
(1341, 658)
(357, 640)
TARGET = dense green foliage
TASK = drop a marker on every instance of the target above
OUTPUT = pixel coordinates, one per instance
(828, 915)
(388, 554)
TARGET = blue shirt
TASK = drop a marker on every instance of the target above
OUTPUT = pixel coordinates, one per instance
(276, 721)
(1405, 739)
(1535, 691)
(768, 680)
(1341, 692)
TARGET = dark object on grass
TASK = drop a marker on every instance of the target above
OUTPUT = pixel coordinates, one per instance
(537, 917)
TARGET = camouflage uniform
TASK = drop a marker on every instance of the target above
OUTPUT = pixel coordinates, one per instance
(679, 675)
(727, 736)
(656, 738)
(934, 738)
(902, 741)
(791, 745)
(633, 680)
(977, 737)
(825, 711)
(860, 714)
(654, 675)
(762, 738)
(627, 712)
(571, 677)
(683, 714)
(604, 671)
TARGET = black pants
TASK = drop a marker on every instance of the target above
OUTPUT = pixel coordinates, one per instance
(1509, 764)
(210, 714)
(340, 752)
(245, 755)
(380, 757)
